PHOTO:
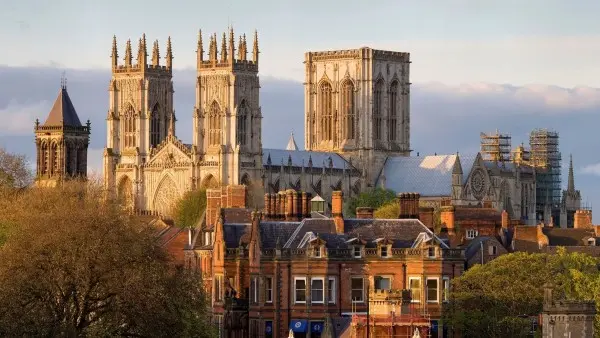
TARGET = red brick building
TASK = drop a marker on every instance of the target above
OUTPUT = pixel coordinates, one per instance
(279, 270)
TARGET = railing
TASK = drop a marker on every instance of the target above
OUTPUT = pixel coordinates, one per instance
(370, 253)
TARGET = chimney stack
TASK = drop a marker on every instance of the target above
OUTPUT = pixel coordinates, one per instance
(447, 218)
(409, 205)
(582, 219)
(336, 211)
(505, 220)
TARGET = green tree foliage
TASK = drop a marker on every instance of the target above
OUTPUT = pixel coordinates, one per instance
(373, 199)
(76, 265)
(492, 300)
(14, 171)
(390, 210)
(190, 208)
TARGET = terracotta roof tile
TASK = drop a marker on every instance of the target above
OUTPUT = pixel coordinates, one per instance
(63, 112)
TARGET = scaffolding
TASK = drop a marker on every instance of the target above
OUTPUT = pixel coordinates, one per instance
(521, 155)
(546, 158)
(495, 147)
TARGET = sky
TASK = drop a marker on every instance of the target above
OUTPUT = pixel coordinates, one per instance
(477, 66)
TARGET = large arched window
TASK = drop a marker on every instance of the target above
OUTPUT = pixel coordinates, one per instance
(54, 152)
(155, 126)
(45, 156)
(378, 110)
(242, 124)
(326, 111)
(214, 124)
(129, 127)
(348, 114)
(393, 109)
(69, 165)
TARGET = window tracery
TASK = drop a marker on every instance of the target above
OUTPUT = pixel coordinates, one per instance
(377, 110)
(348, 109)
(326, 109)
(155, 126)
(393, 109)
(129, 127)
(214, 124)
(242, 124)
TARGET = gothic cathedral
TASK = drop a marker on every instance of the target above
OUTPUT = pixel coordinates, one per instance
(61, 143)
(145, 164)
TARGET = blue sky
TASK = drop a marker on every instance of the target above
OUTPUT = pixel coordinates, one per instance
(511, 41)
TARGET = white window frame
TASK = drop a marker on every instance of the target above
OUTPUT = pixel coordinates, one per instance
(317, 251)
(472, 233)
(268, 289)
(492, 250)
(359, 249)
(437, 289)
(445, 289)
(296, 292)
(218, 287)
(387, 251)
(331, 281)
(420, 288)
(383, 277)
(323, 290)
(363, 289)
(429, 250)
(254, 289)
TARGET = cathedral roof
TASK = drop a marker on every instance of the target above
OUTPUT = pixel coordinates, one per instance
(427, 175)
(299, 158)
(291, 143)
(63, 113)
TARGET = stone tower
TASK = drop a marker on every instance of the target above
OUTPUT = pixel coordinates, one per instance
(357, 104)
(61, 143)
(227, 116)
(140, 114)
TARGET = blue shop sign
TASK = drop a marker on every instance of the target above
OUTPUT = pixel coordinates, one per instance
(316, 327)
(268, 327)
(298, 325)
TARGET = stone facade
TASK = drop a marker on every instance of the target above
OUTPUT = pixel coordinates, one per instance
(61, 143)
(357, 103)
(562, 318)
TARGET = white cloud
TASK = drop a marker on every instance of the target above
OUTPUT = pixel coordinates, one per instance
(20, 117)
(592, 169)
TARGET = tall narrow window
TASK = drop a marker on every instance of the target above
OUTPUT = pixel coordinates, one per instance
(269, 289)
(242, 124)
(378, 110)
(317, 290)
(300, 290)
(445, 288)
(55, 166)
(432, 290)
(254, 290)
(155, 126)
(214, 124)
(331, 290)
(218, 288)
(393, 110)
(414, 284)
(45, 157)
(326, 111)
(129, 127)
(348, 114)
(358, 290)
(69, 159)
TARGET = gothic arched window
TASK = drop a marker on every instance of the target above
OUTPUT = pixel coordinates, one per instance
(377, 110)
(348, 109)
(242, 124)
(393, 109)
(69, 147)
(129, 127)
(326, 111)
(45, 157)
(54, 152)
(155, 126)
(214, 124)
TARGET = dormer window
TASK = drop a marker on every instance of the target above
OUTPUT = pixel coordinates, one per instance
(357, 252)
(591, 242)
(431, 252)
(317, 252)
(384, 251)
(471, 233)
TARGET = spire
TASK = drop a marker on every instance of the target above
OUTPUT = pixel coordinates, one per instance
(571, 184)
(213, 48)
(169, 56)
(63, 112)
(292, 143)
(155, 54)
(457, 167)
(223, 49)
(128, 53)
(255, 49)
(142, 52)
(172, 125)
(115, 53)
(231, 45)
(240, 48)
(200, 49)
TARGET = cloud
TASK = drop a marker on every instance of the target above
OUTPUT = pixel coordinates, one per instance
(592, 169)
(19, 116)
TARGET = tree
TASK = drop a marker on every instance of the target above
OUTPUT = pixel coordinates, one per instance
(372, 199)
(390, 210)
(14, 170)
(190, 208)
(75, 265)
(493, 300)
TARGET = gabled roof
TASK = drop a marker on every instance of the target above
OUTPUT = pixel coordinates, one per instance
(299, 158)
(63, 112)
(427, 175)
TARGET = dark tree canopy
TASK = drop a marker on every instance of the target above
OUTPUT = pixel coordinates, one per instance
(14, 170)
(492, 300)
(372, 199)
(74, 264)
(190, 208)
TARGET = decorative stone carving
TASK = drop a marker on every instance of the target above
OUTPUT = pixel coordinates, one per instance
(166, 196)
(478, 185)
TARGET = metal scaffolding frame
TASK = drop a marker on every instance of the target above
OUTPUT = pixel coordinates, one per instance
(546, 158)
(495, 146)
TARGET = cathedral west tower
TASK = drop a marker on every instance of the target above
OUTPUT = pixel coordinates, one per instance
(357, 103)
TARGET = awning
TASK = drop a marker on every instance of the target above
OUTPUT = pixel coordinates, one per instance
(316, 327)
(269, 327)
(298, 325)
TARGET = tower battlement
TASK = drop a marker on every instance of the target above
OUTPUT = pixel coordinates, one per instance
(143, 64)
(228, 57)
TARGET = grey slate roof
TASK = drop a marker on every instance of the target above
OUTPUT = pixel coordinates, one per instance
(402, 232)
(303, 157)
(236, 233)
(271, 232)
(63, 112)
(427, 175)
